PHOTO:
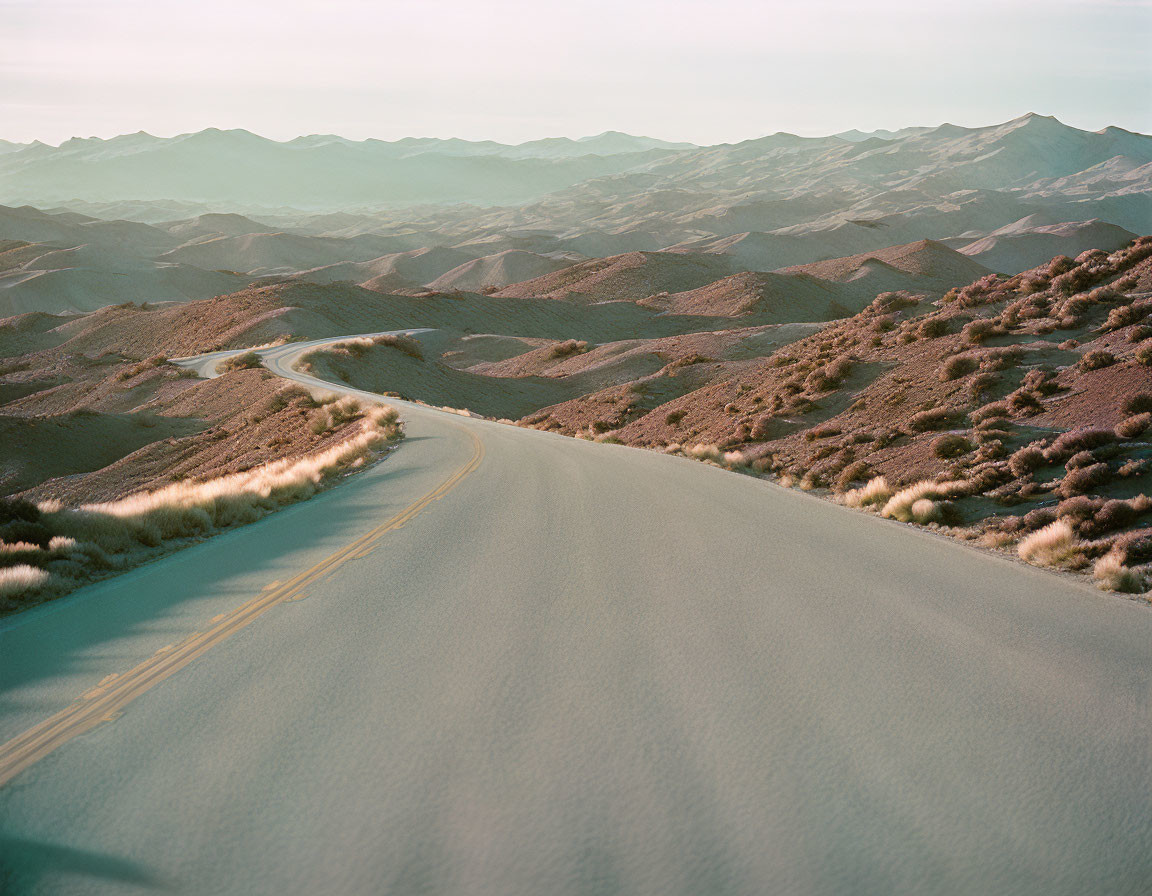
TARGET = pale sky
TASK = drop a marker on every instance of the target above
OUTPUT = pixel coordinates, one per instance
(515, 70)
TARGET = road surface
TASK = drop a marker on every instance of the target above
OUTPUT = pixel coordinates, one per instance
(507, 662)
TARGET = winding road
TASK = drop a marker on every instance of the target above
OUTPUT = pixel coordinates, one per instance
(507, 662)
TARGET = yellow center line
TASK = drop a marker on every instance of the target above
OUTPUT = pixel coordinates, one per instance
(108, 699)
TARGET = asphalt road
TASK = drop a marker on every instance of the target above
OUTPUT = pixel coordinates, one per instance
(505, 662)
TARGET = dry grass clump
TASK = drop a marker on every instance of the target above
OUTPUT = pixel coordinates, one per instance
(703, 452)
(828, 376)
(1097, 360)
(1137, 403)
(927, 511)
(246, 361)
(406, 344)
(1086, 438)
(569, 347)
(337, 413)
(20, 580)
(933, 418)
(358, 346)
(957, 366)
(1054, 545)
(66, 546)
(1124, 316)
(1084, 479)
(903, 505)
(978, 330)
(950, 445)
(932, 328)
(1134, 426)
(874, 493)
(1112, 574)
(1026, 460)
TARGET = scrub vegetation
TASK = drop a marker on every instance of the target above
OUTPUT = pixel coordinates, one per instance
(48, 548)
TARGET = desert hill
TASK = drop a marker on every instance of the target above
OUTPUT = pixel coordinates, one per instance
(930, 261)
(1027, 243)
(272, 253)
(499, 270)
(398, 270)
(771, 298)
(631, 276)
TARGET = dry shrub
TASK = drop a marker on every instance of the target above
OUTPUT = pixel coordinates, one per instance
(1085, 438)
(957, 366)
(1112, 574)
(1123, 316)
(1097, 360)
(568, 347)
(823, 431)
(933, 328)
(246, 361)
(703, 451)
(980, 384)
(927, 511)
(1025, 461)
(875, 493)
(900, 505)
(933, 418)
(1041, 380)
(1137, 403)
(996, 410)
(828, 376)
(405, 344)
(1079, 460)
(1055, 545)
(978, 330)
(1114, 514)
(18, 510)
(190, 509)
(20, 580)
(1134, 426)
(950, 445)
(336, 413)
(1033, 283)
(893, 301)
(1136, 466)
(1084, 479)
(1136, 544)
(854, 472)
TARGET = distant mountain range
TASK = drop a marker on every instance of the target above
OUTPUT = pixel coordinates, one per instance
(319, 171)
(598, 219)
(849, 176)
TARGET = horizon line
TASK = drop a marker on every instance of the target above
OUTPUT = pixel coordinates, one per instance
(579, 139)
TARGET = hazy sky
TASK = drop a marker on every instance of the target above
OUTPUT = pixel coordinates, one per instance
(512, 70)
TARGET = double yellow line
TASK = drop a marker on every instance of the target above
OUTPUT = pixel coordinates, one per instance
(107, 700)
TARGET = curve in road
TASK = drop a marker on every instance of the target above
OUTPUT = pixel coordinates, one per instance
(588, 669)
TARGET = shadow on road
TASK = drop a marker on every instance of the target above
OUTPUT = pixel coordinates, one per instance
(28, 865)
